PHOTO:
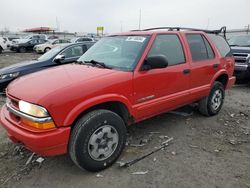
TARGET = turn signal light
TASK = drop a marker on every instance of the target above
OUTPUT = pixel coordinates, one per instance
(46, 125)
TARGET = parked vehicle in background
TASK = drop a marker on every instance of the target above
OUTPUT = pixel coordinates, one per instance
(82, 39)
(84, 109)
(52, 37)
(60, 55)
(38, 36)
(240, 46)
(45, 47)
(7, 41)
(3, 44)
(26, 45)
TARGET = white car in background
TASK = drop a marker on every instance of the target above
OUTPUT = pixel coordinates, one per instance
(3, 44)
(45, 47)
(82, 39)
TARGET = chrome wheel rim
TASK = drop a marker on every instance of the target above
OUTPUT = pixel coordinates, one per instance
(217, 99)
(103, 142)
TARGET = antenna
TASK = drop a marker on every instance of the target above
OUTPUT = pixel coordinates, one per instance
(140, 20)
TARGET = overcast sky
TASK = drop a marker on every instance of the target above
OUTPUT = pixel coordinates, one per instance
(117, 15)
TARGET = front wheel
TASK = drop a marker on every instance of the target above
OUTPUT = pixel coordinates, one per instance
(97, 140)
(212, 104)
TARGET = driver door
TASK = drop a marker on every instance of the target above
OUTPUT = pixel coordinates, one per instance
(159, 90)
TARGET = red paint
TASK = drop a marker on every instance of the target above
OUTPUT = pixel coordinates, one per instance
(67, 91)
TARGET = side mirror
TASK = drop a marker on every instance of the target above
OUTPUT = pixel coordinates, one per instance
(59, 58)
(155, 62)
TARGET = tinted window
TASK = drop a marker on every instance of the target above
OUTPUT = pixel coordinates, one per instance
(169, 46)
(73, 51)
(197, 47)
(221, 45)
(210, 52)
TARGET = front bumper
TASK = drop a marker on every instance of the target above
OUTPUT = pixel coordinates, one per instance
(4, 83)
(47, 143)
(242, 71)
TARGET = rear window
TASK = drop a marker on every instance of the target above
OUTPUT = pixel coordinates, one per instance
(221, 45)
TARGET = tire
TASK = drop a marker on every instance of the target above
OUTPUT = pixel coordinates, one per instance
(212, 104)
(1, 49)
(46, 49)
(22, 50)
(94, 133)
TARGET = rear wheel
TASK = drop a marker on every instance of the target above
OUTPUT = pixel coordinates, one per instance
(46, 49)
(97, 140)
(212, 104)
(1, 49)
(22, 49)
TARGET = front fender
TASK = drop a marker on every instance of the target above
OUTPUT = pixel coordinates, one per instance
(83, 106)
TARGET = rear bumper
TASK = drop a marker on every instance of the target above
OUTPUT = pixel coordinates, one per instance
(231, 82)
(50, 143)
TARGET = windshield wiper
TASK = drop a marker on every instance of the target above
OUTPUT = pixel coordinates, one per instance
(94, 62)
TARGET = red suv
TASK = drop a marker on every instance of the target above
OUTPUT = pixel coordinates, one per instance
(83, 109)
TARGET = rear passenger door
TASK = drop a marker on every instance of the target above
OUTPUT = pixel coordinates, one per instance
(158, 90)
(204, 65)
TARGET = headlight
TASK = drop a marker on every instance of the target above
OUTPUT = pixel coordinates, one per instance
(9, 75)
(32, 109)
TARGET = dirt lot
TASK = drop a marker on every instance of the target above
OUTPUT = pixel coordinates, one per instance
(205, 152)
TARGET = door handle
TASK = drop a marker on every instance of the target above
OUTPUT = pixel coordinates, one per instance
(215, 66)
(186, 71)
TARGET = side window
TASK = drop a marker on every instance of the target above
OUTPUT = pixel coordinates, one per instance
(221, 45)
(56, 42)
(73, 51)
(197, 47)
(33, 42)
(170, 46)
(210, 51)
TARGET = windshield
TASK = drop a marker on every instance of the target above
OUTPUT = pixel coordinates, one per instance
(118, 52)
(51, 53)
(240, 41)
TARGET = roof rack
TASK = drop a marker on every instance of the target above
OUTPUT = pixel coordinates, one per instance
(221, 30)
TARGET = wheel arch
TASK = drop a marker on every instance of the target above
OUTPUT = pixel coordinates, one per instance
(222, 77)
(116, 104)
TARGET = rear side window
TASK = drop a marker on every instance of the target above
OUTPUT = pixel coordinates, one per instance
(221, 45)
(197, 47)
(210, 52)
(169, 46)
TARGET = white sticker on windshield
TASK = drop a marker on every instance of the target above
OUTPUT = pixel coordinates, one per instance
(136, 39)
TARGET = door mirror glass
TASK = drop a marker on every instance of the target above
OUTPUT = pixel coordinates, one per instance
(59, 58)
(155, 62)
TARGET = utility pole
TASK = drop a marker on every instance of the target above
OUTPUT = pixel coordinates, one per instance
(140, 20)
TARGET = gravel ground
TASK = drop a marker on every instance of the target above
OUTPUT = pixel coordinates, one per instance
(205, 152)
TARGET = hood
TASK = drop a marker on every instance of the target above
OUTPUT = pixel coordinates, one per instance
(18, 67)
(238, 49)
(36, 86)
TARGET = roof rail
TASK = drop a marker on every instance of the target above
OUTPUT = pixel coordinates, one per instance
(221, 30)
